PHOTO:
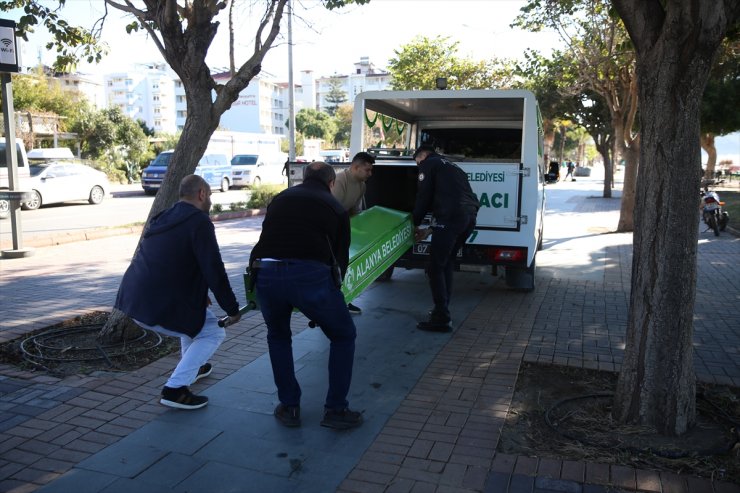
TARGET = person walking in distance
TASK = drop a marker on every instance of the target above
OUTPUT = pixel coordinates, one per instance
(165, 288)
(443, 190)
(349, 190)
(299, 262)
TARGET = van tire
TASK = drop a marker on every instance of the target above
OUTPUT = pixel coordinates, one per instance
(521, 279)
(257, 181)
(32, 204)
(224, 184)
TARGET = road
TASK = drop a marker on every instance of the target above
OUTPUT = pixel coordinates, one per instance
(126, 205)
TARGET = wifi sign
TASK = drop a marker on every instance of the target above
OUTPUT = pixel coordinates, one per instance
(8, 53)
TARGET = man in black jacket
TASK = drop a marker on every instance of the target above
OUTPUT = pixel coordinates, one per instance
(443, 190)
(165, 288)
(305, 233)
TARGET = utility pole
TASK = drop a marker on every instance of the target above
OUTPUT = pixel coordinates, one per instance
(291, 87)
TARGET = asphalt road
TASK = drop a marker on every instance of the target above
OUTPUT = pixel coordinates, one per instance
(126, 205)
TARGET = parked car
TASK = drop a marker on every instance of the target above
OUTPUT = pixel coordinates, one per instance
(214, 168)
(58, 181)
(251, 170)
(46, 154)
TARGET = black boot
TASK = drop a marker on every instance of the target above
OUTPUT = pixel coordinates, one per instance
(436, 323)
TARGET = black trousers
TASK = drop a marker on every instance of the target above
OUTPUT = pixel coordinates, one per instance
(447, 239)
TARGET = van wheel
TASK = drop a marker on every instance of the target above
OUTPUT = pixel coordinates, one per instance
(33, 203)
(257, 181)
(521, 279)
(4, 209)
(224, 184)
(96, 195)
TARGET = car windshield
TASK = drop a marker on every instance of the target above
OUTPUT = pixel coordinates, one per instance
(37, 169)
(162, 160)
(244, 159)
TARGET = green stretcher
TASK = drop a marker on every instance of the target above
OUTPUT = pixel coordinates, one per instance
(379, 237)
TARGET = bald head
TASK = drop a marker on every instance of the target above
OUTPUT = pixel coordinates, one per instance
(191, 185)
(194, 190)
(319, 170)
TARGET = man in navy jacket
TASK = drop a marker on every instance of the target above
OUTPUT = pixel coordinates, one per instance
(165, 288)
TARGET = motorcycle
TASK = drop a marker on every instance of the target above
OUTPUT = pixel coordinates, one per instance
(714, 217)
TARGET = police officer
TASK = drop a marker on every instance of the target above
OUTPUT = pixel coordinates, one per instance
(444, 191)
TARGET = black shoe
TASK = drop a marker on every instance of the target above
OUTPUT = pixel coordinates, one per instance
(353, 309)
(342, 419)
(182, 398)
(203, 372)
(434, 326)
(289, 416)
(434, 317)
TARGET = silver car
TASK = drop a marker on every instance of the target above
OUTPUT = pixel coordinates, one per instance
(63, 181)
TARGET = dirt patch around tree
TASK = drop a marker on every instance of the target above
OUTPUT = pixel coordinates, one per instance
(72, 347)
(565, 413)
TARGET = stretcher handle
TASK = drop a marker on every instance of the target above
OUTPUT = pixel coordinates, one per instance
(222, 322)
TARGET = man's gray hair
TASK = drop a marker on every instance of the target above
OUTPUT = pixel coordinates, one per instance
(191, 185)
(319, 170)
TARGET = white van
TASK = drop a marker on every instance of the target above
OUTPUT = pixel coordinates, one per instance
(250, 170)
(23, 172)
(496, 136)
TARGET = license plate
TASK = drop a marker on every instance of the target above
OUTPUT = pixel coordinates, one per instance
(425, 248)
(421, 248)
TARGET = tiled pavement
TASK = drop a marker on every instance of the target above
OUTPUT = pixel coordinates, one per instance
(434, 403)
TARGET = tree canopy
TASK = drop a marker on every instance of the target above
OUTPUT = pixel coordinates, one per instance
(418, 64)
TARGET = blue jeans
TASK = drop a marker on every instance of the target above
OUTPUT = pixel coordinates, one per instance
(308, 286)
(446, 241)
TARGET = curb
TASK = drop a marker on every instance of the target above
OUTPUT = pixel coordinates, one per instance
(97, 233)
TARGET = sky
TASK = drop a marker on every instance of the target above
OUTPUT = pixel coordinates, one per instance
(330, 42)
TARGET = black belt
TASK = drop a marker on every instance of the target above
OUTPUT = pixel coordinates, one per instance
(261, 264)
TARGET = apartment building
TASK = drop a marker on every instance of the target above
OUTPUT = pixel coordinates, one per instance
(262, 107)
(83, 86)
(153, 93)
(145, 93)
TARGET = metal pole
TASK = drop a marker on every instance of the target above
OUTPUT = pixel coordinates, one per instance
(12, 160)
(291, 88)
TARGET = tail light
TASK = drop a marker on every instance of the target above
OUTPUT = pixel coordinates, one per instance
(509, 255)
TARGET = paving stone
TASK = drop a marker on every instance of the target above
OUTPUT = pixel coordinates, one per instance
(79, 481)
(127, 460)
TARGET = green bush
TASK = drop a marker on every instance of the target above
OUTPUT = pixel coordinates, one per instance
(262, 195)
(238, 206)
(217, 208)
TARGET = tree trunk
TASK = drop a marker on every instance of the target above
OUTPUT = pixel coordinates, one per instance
(627, 208)
(675, 44)
(604, 149)
(707, 143)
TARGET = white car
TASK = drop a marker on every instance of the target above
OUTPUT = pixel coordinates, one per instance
(59, 181)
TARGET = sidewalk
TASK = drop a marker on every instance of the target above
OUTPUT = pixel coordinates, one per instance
(434, 404)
